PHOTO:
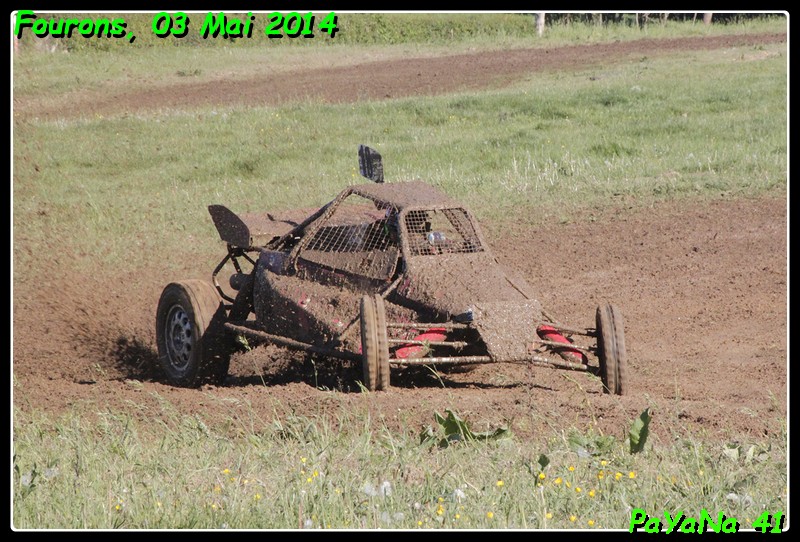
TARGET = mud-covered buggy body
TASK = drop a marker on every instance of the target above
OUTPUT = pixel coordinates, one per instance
(386, 274)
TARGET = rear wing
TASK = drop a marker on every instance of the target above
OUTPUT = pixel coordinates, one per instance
(249, 231)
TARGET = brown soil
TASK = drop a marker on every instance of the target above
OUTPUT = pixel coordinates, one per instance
(702, 287)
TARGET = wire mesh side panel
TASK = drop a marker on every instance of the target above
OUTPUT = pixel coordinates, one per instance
(360, 237)
(441, 231)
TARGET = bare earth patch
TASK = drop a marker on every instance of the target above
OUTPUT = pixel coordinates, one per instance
(702, 287)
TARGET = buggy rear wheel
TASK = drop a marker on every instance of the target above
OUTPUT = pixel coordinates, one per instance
(611, 349)
(189, 334)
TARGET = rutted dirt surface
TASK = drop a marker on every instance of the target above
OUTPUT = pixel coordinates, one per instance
(380, 80)
(702, 287)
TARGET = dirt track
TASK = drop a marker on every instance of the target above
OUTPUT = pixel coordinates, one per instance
(377, 80)
(702, 288)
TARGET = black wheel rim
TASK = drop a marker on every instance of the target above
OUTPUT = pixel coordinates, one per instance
(180, 337)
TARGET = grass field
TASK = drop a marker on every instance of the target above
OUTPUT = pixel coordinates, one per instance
(709, 126)
(349, 471)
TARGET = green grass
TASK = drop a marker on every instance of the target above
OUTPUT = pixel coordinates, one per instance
(117, 64)
(345, 470)
(559, 143)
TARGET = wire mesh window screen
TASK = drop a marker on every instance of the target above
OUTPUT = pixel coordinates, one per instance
(360, 237)
(357, 225)
(441, 231)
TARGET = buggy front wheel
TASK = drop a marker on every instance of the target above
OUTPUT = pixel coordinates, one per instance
(383, 344)
(374, 344)
(611, 349)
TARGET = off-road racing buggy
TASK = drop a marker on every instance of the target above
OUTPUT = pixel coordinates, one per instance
(388, 274)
